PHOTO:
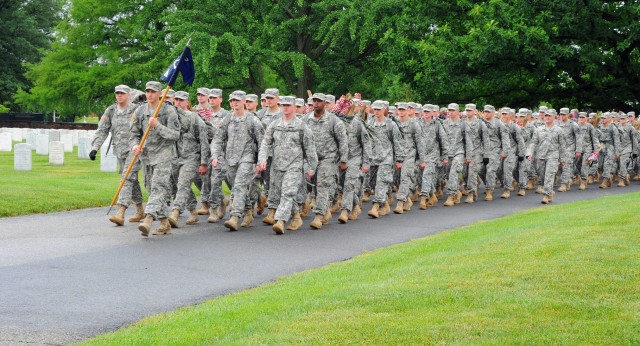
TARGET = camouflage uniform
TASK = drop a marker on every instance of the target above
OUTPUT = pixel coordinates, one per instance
(477, 132)
(590, 143)
(459, 144)
(288, 144)
(412, 142)
(211, 190)
(610, 138)
(359, 154)
(330, 138)
(498, 142)
(572, 135)
(118, 122)
(436, 148)
(628, 148)
(549, 145)
(515, 152)
(236, 143)
(266, 116)
(386, 148)
(159, 153)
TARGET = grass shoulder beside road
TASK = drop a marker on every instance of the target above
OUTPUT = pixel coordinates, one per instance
(562, 274)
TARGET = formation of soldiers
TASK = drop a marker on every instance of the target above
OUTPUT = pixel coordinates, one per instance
(292, 158)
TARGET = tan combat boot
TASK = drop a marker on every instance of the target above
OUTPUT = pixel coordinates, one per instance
(439, 192)
(407, 205)
(423, 203)
(522, 192)
(306, 208)
(327, 217)
(637, 177)
(145, 226)
(384, 209)
(344, 216)
(450, 201)
(213, 215)
(545, 199)
(336, 204)
(139, 215)
(471, 197)
(164, 228)
(399, 208)
(278, 227)
(590, 180)
(247, 219)
(539, 190)
(433, 200)
(488, 195)
(531, 183)
(262, 203)
(222, 209)
(605, 181)
(118, 219)
(173, 218)
(563, 188)
(365, 197)
(355, 213)
(583, 184)
(270, 218)
(621, 182)
(204, 209)
(390, 199)
(193, 217)
(317, 222)
(296, 222)
(232, 223)
(415, 196)
(506, 194)
(457, 198)
(627, 179)
(374, 212)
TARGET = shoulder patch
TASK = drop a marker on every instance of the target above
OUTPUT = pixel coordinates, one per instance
(133, 118)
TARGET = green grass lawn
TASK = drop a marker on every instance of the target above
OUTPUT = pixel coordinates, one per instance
(562, 274)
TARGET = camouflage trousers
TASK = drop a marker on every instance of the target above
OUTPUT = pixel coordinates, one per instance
(625, 160)
(608, 163)
(407, 179)
(583, 166)
(567, 171)
(186, 174)
(522, 173)
(130, 192)
(474, 169)
(384, 179)
(508, 167)
(352, 188)
(283, 188)
(429, 179)
(326, 183)
(454, 169)
(157, 181)
(240, 178)
(218, 175)
(548, 170)
(491, 172)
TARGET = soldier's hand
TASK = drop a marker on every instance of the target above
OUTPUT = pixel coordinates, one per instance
(445, 162)
(342, 166)
(529, 158)
(365, 169)
(578, 155)
(203, 169)
(618, 157)
(214, 163)
(310, 175)
(422, 165)
(562, 164)
(398, 165)
(136, 150)
(261, 167)
(92, 155)
(502, 156)
(153, 122)
(520, 158)
(468, 161)
(485, 160)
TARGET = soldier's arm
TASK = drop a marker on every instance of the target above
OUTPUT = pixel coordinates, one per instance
(103, 129)
(258, 131)
(219, 140)
(205, 150)
(266, 144)
(486, 142)
(520, 140)
(343, 142)
(365, 141)
(616, 139)
(505, 139)
(443, 140)
(136, 128)
(533, 144)
(578, 136)
(397, 143)
(420, 143)
(309, 149)
(565, 153)
(171, 130)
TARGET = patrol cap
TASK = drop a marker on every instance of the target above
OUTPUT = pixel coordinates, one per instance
(621, 115)
(489, 108)
(386, 103)
(263, 96)
(171, 93)
(299, 102)
(505, 110)
(426, 107)
(329, 98)
(203, 91)
(318, 96)
(215, 92)
(238, 95)
(366, 103)
(272, 92)
(181, 95)
(605, 115)
(252, 97)
(412, 105)
(470, 107)
(153, 85)
(402, 105)
(453, 106)
(287, 100)
(393, 109)
(522, 112)
(582, 115)
(564, 110)
(418, 106)
(435, 108)
(310, 101)
(378, 104)
(631, 114)
(552, 111)
(591, 115)
(122, 89)
(543, 109)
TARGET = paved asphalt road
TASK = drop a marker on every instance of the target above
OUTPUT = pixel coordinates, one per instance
(67, 276)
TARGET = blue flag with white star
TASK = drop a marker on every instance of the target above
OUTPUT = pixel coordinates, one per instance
(183, 64)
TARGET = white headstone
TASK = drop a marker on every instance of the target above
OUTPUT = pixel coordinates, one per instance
(82, 133)
(54, 135)
(17, 134)
(91, 133)
(22, 157)
(5, 141)
(24, 132)
(5, 129)
(42, 144)
(74, 133)
(84, 147)
(67, 140)
(31, 139)
(56, 153)
(108, 162)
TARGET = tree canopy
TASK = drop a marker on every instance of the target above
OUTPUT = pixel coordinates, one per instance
(572, 53)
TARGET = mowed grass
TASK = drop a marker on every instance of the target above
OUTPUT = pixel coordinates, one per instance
(565, 274)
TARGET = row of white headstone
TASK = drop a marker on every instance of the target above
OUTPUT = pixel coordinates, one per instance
(53, 143)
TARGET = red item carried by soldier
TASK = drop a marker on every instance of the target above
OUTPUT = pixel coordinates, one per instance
(344, 103)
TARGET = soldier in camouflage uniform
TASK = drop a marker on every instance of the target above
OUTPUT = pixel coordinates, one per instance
(574, 141)
(117, 121)
(266, 115)
(413, 144)
(459, 144)
(550, 147)
(628, 149)
(525, 172)
(288, 141)
(477, 132)
(610, 153)
(330, 138)
(515, 152)
(193, 153)
(236, 143)
(436, 147)
(497, 148)
(157, 156)
(590, 144)
(386, 152)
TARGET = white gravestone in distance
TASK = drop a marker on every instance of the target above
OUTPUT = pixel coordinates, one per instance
(5, 141)
(22, 157)
(42, 144)
(31, 139)
(67, 140)
(17, 134)
(84, 147)
(108, 162)
(74, 133)
(54, 135)
(56, 153)
(24, 132)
